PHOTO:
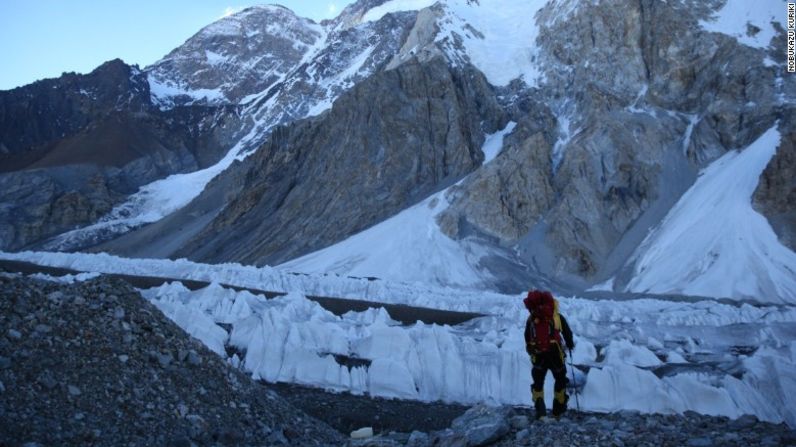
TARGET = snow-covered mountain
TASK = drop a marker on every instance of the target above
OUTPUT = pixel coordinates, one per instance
(227, 60)
(361, 146)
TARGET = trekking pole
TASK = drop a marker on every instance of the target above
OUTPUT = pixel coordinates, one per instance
(572, 365)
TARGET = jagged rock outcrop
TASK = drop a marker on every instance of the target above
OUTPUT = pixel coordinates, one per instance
(36, 205)
(47, 110)
(775, 196)
(505, 198)
(316, 182)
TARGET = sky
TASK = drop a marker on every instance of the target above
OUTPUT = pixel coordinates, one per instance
(44, 38)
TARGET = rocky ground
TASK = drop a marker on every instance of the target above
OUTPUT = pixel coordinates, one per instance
(93, 363)
(408, 423)
(482, 425)
(346, 412)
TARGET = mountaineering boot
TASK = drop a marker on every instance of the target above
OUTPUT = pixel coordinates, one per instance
(538, 402)
(560, 403)
(541, 410)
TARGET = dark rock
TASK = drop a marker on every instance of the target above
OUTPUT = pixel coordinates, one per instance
(699, 442)
(14, 334)
(482, 425)
(193, 358)
(519, 422)
(277, 437)
(180, 441)
(417, 439)
(744, 421)
(449, 438)
(56, 296)
(771, 440)
(46, 380)
(775, 196)
(198, 426)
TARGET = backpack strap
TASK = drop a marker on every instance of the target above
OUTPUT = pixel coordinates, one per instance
(556, 317)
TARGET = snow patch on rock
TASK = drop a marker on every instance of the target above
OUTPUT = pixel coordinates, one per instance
(749, 22)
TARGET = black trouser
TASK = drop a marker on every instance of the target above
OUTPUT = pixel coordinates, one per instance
(552, 360)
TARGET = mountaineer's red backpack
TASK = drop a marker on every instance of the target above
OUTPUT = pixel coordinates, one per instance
(544, 325)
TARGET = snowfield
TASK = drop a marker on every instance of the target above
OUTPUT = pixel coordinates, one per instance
(713, 243)
(648, 355)
(499, 37)
(736, 15)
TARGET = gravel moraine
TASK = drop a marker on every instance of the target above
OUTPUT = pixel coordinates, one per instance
(94, 363)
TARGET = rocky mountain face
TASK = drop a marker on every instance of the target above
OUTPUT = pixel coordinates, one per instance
(638, 108)
(48, 110)
(618, 104)
(624, 116)
(76, 145)
(394, 150)
(348, 57)
(775, 196)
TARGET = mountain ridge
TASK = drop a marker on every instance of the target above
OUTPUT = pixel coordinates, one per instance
(613, 124)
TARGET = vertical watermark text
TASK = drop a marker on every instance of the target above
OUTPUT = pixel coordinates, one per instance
(792, 37)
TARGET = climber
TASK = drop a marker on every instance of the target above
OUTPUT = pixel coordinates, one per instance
(543, 332)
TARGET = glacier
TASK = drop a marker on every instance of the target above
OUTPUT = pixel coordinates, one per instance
(649, 354)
